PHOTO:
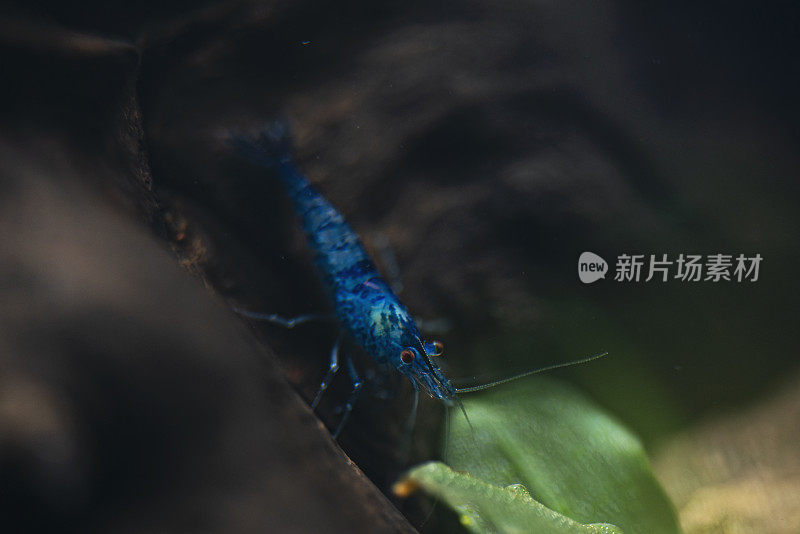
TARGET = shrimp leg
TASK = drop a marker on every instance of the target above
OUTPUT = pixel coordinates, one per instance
(408, 431)
(332, 370)
(286, 322)
(351, 400)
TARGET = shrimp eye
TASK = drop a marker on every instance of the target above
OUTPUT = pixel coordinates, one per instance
(407, 356)
(433, 348)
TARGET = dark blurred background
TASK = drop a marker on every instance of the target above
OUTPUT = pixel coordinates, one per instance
(489, 143)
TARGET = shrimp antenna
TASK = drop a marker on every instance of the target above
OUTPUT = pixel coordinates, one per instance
(473, 389)
(444, 459)
(464, 411)
(471, 428)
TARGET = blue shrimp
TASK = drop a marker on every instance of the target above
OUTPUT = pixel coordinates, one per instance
(365, 305)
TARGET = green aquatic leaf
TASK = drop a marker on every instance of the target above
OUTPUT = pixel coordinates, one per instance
(573, 458)
(485, 508)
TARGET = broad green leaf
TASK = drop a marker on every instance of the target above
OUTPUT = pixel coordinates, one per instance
(485, 508)
(571, 456)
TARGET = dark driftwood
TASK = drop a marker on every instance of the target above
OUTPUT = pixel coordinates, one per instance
(131, 398)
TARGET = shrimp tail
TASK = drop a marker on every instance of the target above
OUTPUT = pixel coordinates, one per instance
(338, 252)
(269, 147)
